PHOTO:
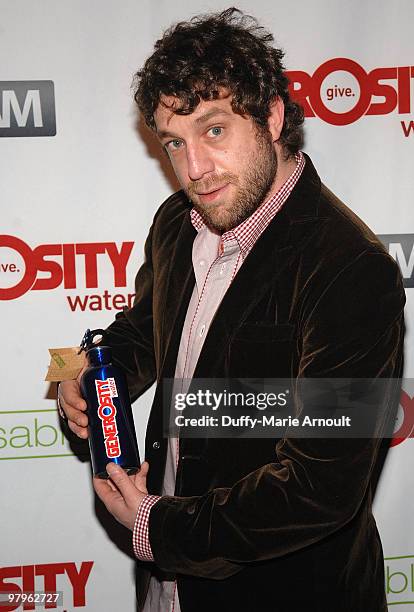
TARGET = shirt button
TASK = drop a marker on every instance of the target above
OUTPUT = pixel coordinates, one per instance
(202, 330)
(223, 267)
(201, 262)
(156, 445)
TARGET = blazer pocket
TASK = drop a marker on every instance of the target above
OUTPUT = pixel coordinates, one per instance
(264, 332)
(261, 350)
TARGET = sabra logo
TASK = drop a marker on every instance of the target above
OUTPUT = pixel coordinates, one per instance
(341, 91)
(401, 248)
(399, 580)
(27, 108)
(105, 391)
(34, 434)
(30, 433)
(31, 578)
(48, 266)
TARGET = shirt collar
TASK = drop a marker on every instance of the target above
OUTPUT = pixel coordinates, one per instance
(247, 232)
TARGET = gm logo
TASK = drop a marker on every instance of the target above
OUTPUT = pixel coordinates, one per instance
(27, 108)
(401, 248)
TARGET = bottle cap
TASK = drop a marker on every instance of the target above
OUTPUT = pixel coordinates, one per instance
(90, 339)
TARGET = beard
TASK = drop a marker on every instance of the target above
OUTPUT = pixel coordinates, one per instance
(252, 188)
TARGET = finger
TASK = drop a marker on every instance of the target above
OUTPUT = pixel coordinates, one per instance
(121, 480)
(111, 485)
(79, 418)
(70, 396)
(81, 432)
(140, 478)
(144, 469)
(142, 473)
(76, 417)
(105, 492)
(73, 414)
(78, 421)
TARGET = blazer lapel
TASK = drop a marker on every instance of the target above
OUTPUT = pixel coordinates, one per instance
(181, 282)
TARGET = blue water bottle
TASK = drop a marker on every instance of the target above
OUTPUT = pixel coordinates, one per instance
(111, 425)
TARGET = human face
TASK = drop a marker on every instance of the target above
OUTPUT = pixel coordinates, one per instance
(225, 164)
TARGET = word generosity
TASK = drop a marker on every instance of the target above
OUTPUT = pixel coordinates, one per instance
(105, 391)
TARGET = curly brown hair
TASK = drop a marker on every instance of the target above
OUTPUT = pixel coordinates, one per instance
(196, 60)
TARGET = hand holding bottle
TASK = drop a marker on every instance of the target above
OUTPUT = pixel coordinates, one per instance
(73, 406)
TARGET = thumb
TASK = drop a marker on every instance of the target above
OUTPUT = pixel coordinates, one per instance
(140, 478)
(120, 478)
(144, 469)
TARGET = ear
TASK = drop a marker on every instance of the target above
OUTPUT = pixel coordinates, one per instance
(276, 118)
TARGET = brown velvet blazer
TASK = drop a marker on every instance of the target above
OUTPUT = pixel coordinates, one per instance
(269, 525)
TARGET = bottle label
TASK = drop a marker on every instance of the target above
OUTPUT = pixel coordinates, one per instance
(105, 391)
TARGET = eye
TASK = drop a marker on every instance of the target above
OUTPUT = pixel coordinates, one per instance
(215, 131)
(173, 145)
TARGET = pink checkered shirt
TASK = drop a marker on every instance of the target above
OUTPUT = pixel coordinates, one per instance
(246, 235)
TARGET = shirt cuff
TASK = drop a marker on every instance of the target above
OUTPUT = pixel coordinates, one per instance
(140, 536)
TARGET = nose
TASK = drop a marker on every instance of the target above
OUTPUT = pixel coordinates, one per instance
(199, 162)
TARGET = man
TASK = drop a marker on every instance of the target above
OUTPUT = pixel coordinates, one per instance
(254, 269)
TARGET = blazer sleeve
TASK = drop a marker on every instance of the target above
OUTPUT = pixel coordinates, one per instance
(131, 334)
(314, 486)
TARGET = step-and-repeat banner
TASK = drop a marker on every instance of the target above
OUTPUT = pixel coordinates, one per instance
(80, 181)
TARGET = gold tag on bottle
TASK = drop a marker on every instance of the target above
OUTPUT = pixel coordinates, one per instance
(65, 363)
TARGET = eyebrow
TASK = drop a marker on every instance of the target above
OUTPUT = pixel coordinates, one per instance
(210, 114)
(213, 112)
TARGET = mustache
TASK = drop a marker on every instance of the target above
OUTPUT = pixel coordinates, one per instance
(211, 183)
